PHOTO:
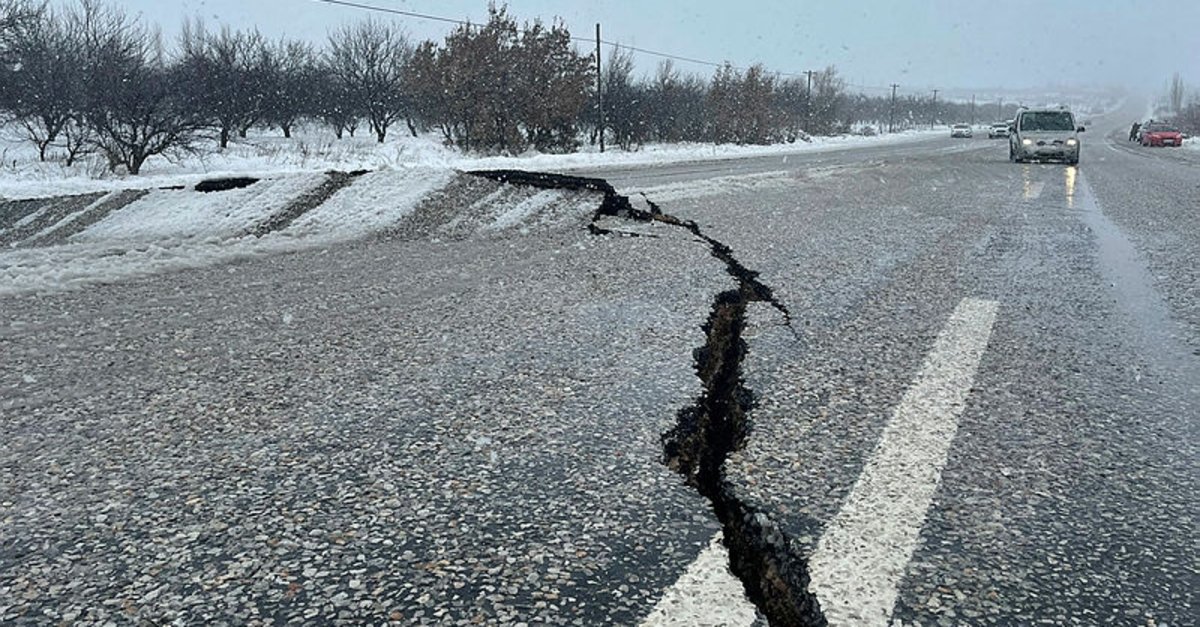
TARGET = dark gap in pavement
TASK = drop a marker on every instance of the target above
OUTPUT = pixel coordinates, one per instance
(224, 184)
(773, 576)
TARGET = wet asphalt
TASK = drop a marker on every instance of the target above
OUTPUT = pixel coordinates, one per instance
(1068, 496)
(467, 430)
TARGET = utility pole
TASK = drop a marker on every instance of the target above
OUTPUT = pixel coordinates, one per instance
(1000, 110)
(599, 89)
(892, 110)
(933, 112)
(972, 109)
(808, 104)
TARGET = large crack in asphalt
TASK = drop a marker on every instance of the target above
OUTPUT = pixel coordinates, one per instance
(773, 575)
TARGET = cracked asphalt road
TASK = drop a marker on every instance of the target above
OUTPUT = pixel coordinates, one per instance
(1068, 495)
(469, 431)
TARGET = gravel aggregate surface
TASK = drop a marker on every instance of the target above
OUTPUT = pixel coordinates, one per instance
(457, 419)
(421, 431)
(1067, 497)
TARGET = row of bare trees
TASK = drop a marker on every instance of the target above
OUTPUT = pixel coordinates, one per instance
(90, 79)
(751, 106)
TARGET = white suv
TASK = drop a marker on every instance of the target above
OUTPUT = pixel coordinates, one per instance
(1044, 134)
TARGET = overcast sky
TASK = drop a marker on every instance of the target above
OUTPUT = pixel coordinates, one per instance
(968, 44)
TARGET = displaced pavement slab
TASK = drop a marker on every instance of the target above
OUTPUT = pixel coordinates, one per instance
(420, 431)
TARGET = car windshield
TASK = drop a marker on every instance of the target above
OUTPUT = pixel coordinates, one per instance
(1162, 128)
(1047, 121)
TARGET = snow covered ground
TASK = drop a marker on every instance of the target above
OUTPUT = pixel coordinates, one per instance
(315, 149)
(94, 232)
(177, 229)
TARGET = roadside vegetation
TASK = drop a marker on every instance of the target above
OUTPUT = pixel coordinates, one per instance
(89, 79)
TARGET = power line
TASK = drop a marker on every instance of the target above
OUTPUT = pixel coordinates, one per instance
(424, 16)
(448, 20)
(589, 41)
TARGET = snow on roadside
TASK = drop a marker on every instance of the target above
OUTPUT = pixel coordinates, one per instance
(372, 202)
(385, 197)
(521, 211)
(27, 220)
(267, 155)
(69, 218)
(168, 214)
(658, 154)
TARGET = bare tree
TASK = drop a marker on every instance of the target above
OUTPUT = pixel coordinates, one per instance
(227, 75)
(1175, 93)
(721, 104)
(427, 96)
(290, 94)
(335, 104)
(369, 59)
(676, 109)
(46, 76)
(136, 106)
(15, 17)
(623, 101)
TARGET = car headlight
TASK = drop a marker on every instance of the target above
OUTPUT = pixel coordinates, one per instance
(1072, 142)
(1027, 142)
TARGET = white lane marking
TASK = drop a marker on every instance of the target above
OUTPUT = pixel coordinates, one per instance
(864, 551)
(705, 594)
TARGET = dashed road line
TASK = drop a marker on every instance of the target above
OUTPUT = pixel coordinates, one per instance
(862, 555)
(706, 594)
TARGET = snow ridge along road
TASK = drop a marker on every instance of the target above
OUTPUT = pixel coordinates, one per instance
(863, 553)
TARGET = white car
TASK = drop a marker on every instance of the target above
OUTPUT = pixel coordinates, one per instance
(1041, 134)
(960, 130)
(999, 129)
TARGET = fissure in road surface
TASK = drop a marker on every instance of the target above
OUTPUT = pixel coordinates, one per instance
(707, 432)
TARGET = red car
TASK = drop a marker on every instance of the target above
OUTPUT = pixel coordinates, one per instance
(1161, 135)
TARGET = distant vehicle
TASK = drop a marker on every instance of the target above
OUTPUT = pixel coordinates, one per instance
(999, 129)
(960, 130)
(1159, 134)
(1044, 134)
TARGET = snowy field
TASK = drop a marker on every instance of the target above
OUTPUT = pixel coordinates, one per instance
(314, 149)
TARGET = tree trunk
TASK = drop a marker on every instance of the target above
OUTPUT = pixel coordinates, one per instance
(380, 134)
(42, 150)
(136, 159)
(287, 130)
(224, 136)
(242, 131)
(411, 127)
